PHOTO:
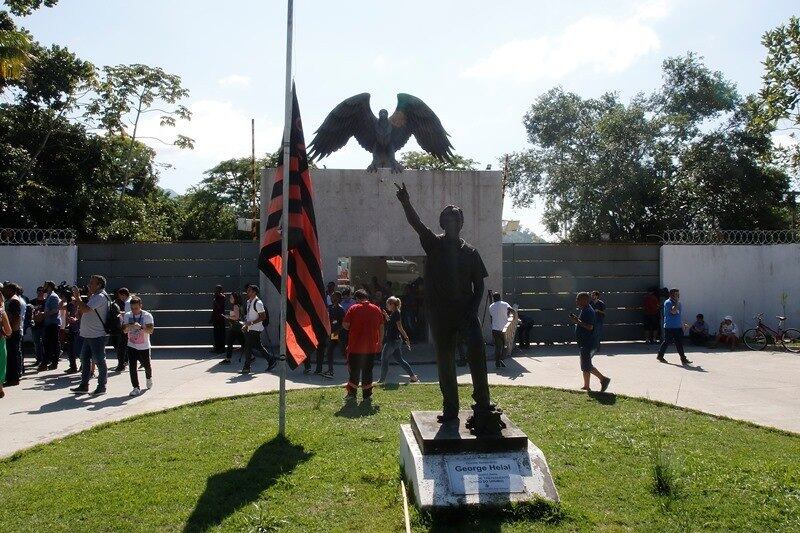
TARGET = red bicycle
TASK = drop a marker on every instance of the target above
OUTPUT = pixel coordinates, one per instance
(756, 338)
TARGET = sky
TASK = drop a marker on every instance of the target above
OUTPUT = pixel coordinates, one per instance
(479, 65)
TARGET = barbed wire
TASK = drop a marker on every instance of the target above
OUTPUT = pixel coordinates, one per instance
(44, 237)
(735, 237)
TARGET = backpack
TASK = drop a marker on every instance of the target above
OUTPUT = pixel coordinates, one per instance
(111, 324)
(28, 320)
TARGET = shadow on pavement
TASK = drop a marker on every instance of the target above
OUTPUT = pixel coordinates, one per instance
(229, 491)
(692, 368)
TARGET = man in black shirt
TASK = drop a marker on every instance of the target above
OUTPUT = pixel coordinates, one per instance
(336, 316)
(453, 280)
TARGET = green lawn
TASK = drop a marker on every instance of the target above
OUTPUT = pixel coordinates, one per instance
(219, 466)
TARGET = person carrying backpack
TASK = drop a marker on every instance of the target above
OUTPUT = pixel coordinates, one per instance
(94, 330)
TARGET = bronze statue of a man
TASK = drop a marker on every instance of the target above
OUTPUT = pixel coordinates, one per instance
(453, 278)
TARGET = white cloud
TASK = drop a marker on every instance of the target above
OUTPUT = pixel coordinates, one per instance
(600, 43)
(234, 81)
(220, 131)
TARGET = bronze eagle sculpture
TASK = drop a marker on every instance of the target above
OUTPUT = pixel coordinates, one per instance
(382, 135)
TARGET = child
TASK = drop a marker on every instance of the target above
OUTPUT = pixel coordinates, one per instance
(698, 333)
(139, 325)
(584, 326)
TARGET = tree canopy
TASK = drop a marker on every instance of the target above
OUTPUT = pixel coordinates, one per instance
(424, 161)
(681, 157)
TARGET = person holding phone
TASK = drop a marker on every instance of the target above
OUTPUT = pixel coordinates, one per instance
(673, 327)
(138, 324)
(584, 334)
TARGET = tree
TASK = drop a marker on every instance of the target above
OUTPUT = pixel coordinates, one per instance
(778, 102)
(680, 158)
(22, 8)
(227, 191)
(129, 92)
(15, 52)
(424, 161)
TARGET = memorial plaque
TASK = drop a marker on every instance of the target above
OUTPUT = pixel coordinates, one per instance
(484, 476)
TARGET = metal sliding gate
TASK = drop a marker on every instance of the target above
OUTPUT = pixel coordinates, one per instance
(543, 280)
(175, 280)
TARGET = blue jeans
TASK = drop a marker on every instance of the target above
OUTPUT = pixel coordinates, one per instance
(94, 349)
(395, 349)
(38, 343)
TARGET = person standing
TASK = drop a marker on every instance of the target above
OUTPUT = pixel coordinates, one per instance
(234, 334)
(336, 317)
(394, 338)
(138, 325)
(94, 332)
(73, 323)
(364, 324)
(255, 319)
(584, 335)
(347, 298)
(652, 307)
(673, 327)
(218, 319)
(37, 328)
(120, 304)
(599, 307)
(5, 332)
(15, 314)
(499, 311)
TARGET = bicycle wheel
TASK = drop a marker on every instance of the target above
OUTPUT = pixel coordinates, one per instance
(791, 340)
(755, 339)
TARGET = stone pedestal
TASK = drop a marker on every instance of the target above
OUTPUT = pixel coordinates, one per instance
(447, 466)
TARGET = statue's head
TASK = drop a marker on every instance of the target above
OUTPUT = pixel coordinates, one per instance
(451, 220)
(383, 114)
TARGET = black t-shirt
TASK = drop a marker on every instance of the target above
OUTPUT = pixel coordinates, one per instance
(450, 270)
(392, 332)
(336, 316)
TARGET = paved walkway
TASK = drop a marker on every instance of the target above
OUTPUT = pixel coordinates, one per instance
(761, 387)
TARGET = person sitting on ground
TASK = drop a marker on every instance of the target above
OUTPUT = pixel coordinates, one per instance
(698, 333)
(394, 338)
(138, 325)
(728, 333)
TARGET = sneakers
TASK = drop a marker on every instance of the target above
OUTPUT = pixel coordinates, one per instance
(71, 370)
(41, 368)
(52, 366)
(120, 368)
(604, 384)
(225, 361)
(149, 383)
(246, 370)
(272, 364)
(413, 379)
(135, 392)
(98, 391)
(80, 389)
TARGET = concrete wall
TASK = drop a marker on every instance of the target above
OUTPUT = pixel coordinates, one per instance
(735, 280)
(30, 265)
(358, 215)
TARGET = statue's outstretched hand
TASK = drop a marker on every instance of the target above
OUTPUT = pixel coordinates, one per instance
(402, 193)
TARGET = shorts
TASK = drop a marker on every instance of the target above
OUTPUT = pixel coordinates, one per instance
(651, 322)
(586, 358)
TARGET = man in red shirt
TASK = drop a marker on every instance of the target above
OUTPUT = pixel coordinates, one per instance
(652, 308)
(364, 323)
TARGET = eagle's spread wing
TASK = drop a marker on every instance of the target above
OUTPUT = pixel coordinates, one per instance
(414, 117)
(352, 118)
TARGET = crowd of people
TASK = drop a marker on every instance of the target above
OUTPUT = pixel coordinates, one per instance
(369, 326)
(77, 323)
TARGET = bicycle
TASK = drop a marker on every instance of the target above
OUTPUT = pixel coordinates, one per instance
(756, 338)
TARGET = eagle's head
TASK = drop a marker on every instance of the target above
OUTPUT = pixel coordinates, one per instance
(383, 114)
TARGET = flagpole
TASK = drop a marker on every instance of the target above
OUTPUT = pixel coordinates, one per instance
(285, 221)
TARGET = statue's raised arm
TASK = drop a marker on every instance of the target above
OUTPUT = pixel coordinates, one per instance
(411, 213)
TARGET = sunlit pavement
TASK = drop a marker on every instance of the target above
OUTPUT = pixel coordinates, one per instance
(761, 387)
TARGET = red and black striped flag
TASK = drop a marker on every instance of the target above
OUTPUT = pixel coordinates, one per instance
(306, 310)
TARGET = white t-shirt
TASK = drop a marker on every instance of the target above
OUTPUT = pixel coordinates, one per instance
(92, 321)
(138, 339)
(253, 312)
(499, 313)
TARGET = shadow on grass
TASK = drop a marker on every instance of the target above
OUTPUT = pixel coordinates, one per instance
(229, 491)
(353, 410)
(491, 518)
(605, 398)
